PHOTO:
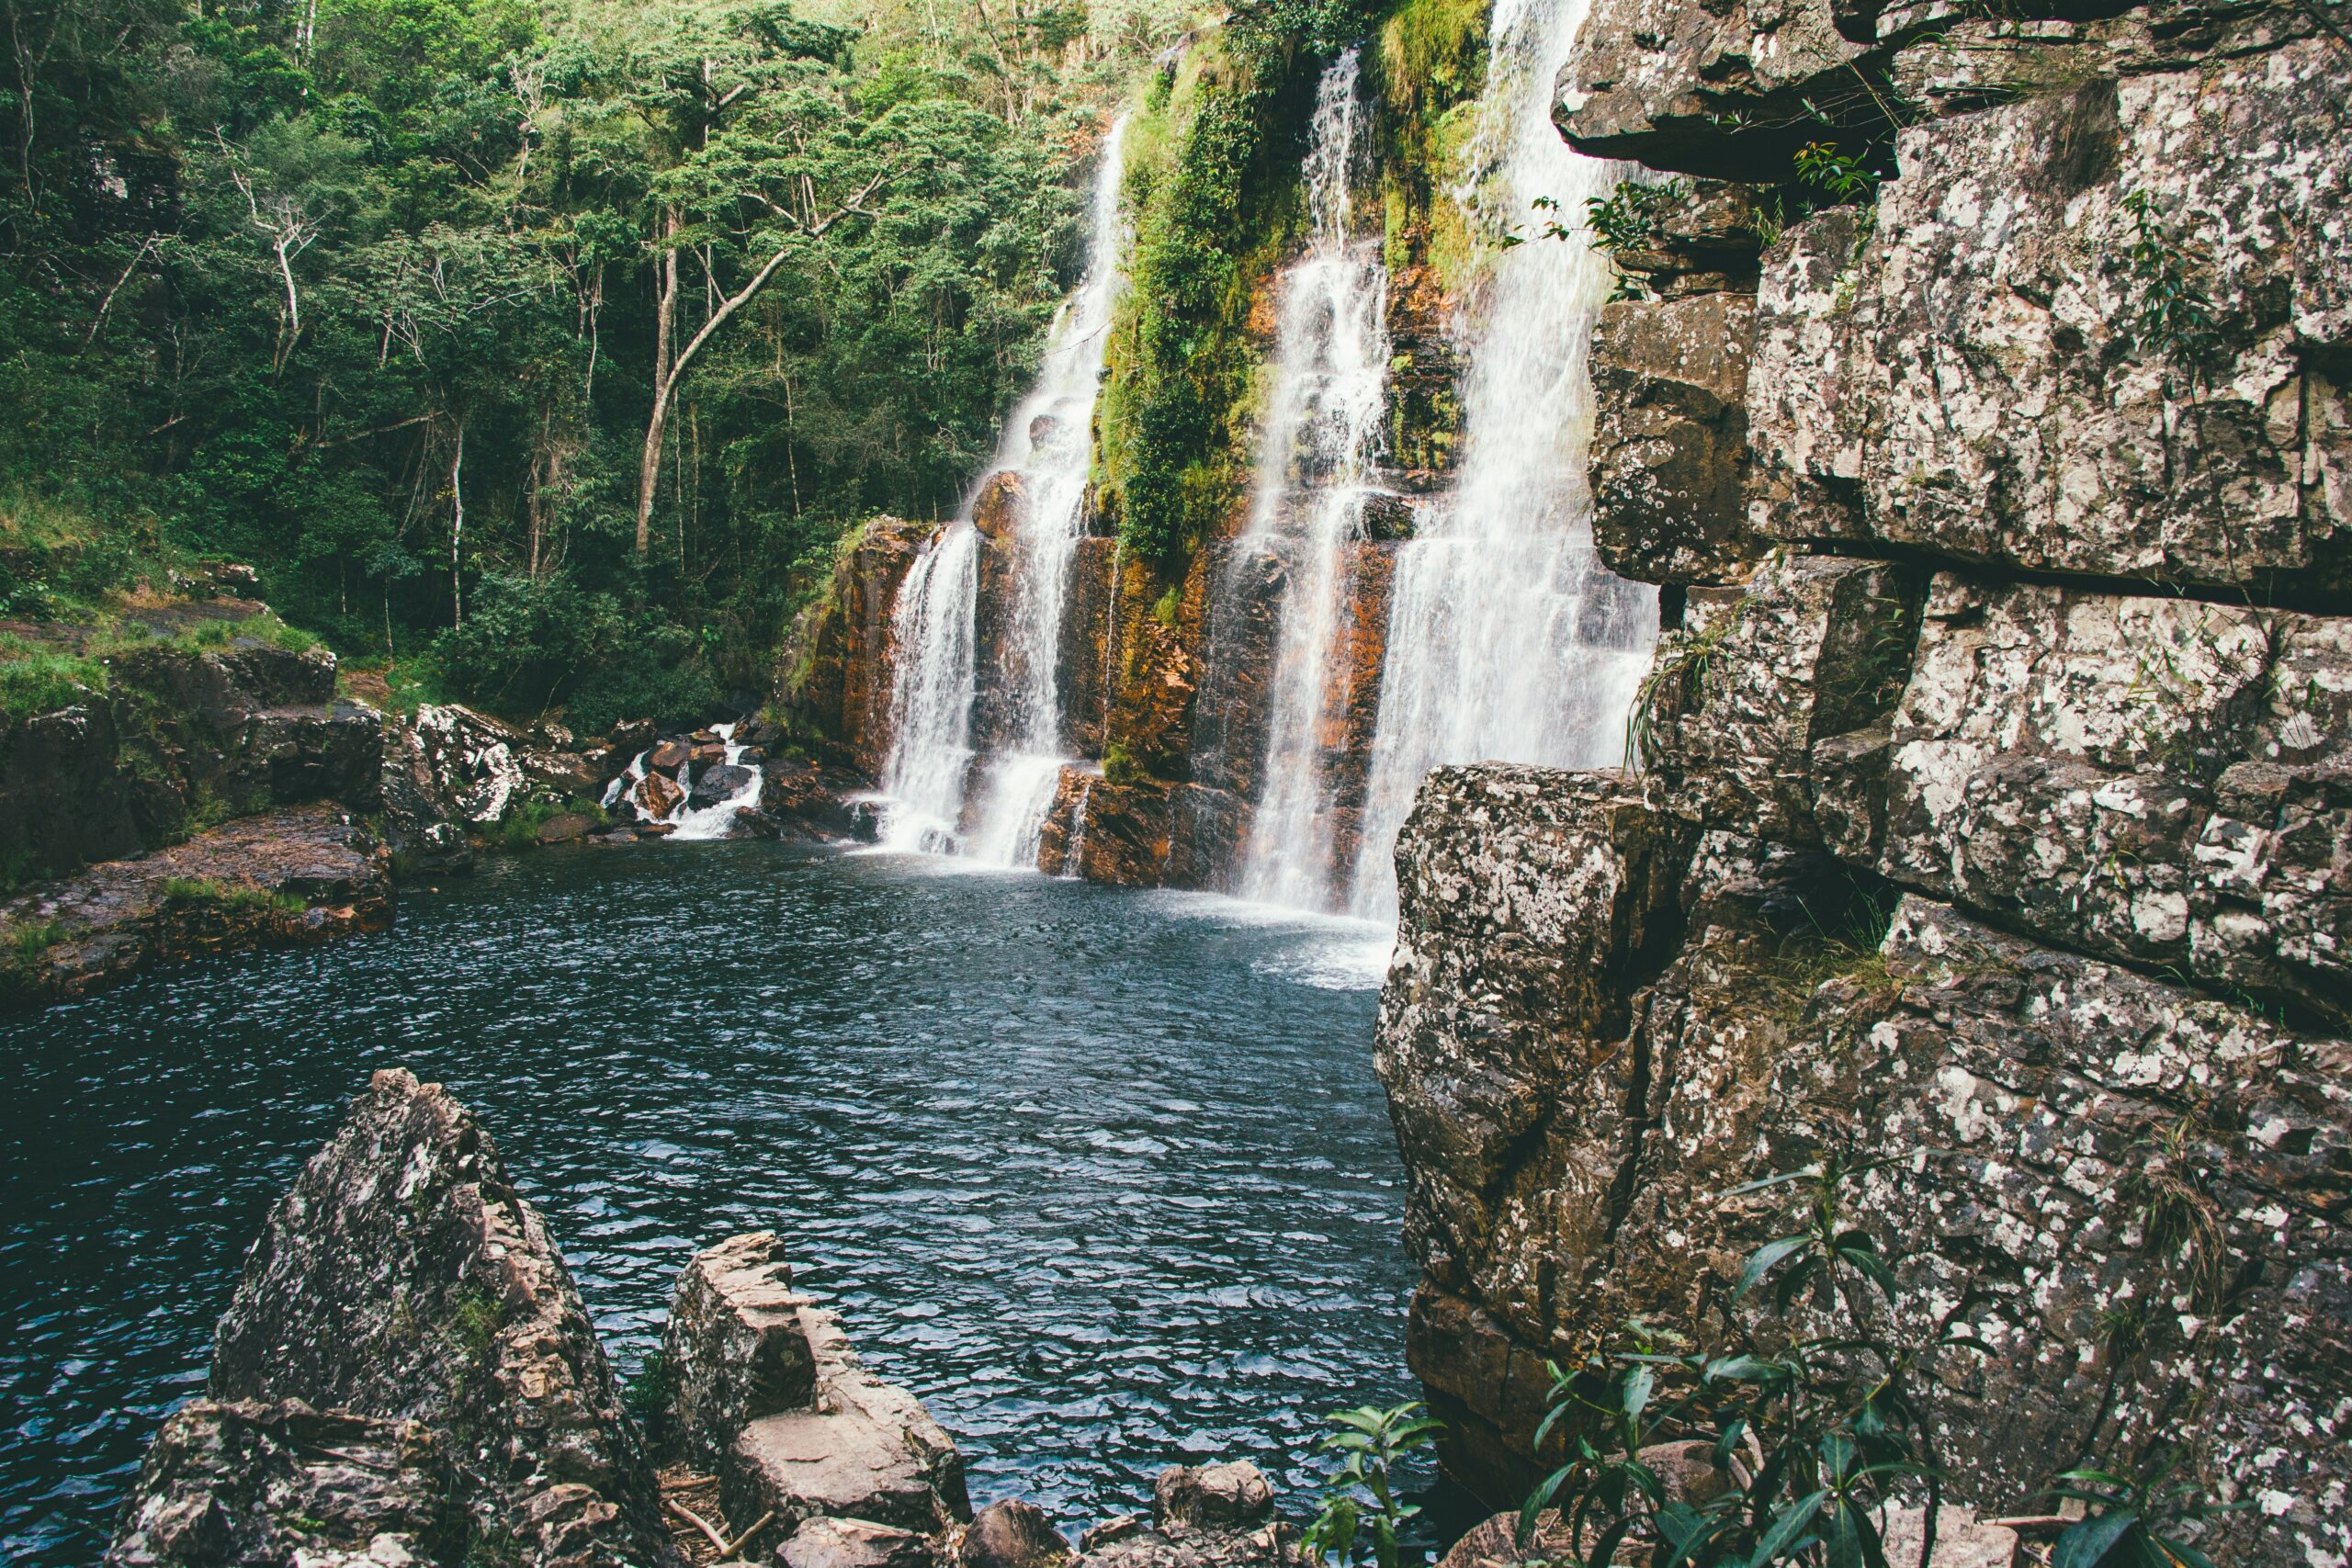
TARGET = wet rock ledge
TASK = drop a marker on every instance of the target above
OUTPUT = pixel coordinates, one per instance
(406, 1376)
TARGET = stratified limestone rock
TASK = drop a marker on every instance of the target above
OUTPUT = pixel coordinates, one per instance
(248, 1483)
(1670, 378)
(735, 1346)
(1124, 838)
(835, 672)
(864, 1449)
(1530, 900)
(1012, 1534)
(1211, 1495)
(289, 878)
(182, 737)
(404, 1278)
(1209, 1517)
(1993, 385)
(1804, 420)
(857, 1543)
(1813, 649)
(1660, 81)
(2129, 1191)
(2153, 779)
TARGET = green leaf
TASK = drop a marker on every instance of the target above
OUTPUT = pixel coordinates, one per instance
(1785, 1530)
(2087, 1544)
(1639, 1384)
(1763, 1260)
(1807, 1173)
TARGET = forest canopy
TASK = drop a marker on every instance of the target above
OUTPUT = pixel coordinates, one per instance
(543, 348)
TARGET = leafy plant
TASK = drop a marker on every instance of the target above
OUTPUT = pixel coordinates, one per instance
(1362, 1517)
(1680, 663)
(2174, 317)
(1843, 177)
(1808, 1440)
(2133, 1521)
(648, 1396)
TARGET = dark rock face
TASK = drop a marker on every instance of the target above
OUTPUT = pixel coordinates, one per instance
(403, 1278)
(227, 1483)
(181, 736)
(1670, 379)
(719, 783)
(835, 674)
(287, 878)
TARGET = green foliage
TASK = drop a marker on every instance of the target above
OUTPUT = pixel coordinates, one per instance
(1212, 177)
(28, 940)
(1842, 177)
(1119, 766)
(35, 680)
(1628, 218)
(1362, 1517)
(648, 1396)
(208, 892)
(366, 294)
(2134, 1520)
(519, 828)
(1676, 670)
(2173, 316)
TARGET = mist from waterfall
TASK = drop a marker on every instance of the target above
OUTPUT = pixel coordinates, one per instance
(946, 797)
(1321, 436)
(1508, 640)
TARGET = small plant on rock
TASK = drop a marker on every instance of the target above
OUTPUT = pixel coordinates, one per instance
(2133, 1521)
(1362, 1518)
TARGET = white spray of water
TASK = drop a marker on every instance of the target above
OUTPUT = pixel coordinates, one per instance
(1322, 435)
(708, 822)
(1045, 441)
(1507, 640)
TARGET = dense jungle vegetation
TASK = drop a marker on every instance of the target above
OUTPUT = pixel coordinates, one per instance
(543, 349)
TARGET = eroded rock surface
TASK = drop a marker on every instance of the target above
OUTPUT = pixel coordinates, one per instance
(404, 1278)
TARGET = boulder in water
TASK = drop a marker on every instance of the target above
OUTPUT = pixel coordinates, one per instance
(566, 826)
(402, 1280)
(657, 796)
(1012, 1534)
(1212, 1495)
(736, 1346)
(718, 785)
(668, 757)
(997, 510)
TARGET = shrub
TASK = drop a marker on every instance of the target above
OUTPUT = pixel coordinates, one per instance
(1361, 1516)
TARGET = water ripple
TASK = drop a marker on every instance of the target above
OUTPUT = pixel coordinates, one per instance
(1105, 1179)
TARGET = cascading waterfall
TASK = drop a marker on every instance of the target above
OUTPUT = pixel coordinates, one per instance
(1508, 640)
(1321, 438)
(711, 819)
(939, 784)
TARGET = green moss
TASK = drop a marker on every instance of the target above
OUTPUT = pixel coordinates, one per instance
(519, 828)
(36, 681)
(1212, 179)
(1119, 766)
(204, 890)
(1429, 69)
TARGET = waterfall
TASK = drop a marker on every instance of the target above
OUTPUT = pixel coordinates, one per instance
(986, 796)
(1320, 439)
(1508, 640)
(715, 817)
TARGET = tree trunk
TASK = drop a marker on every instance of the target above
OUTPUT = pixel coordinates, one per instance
(457, 528)
(649, 468)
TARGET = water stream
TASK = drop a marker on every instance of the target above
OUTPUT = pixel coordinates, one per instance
(1321, 440)
(1104, 1176)
(949, 793)
(1508, 640)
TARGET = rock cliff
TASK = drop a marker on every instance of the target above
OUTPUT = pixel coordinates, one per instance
(1993, 825)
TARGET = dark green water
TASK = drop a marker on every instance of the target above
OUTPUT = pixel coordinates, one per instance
(1104, 1176)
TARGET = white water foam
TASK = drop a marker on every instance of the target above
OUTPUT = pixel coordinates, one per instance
(1321, 438)
(1508, 640)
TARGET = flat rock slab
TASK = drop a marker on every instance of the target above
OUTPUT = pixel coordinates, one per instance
(866, 1451)
(289, 878)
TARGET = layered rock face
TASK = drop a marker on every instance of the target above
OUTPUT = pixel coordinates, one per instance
(404, 1287)
(835, 674)
(181, 739)
(1994, 821)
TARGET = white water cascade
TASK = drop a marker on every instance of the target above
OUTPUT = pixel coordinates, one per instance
(1508, 640)
(945, 797)
(711, 819)
(1320, 439)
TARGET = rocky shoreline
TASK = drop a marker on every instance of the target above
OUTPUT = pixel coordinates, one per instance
(406, 1375)
(216, 800)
